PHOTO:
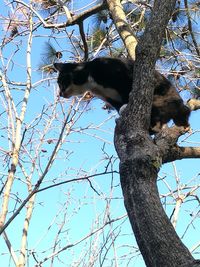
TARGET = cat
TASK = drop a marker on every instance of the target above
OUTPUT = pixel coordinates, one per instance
(110, 79)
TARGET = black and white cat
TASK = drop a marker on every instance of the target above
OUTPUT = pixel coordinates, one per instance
(111, 80)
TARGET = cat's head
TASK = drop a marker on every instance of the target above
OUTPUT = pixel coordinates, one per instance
(72, 79)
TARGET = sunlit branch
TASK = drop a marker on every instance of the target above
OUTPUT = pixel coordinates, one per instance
(75, 19)
(67, 120)
(82, 239)
(190, 28)
(123, 28)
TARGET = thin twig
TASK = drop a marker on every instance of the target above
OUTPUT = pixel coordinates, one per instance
(85, 45)
(43, 175)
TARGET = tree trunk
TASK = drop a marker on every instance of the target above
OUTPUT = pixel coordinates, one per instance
(156, 237)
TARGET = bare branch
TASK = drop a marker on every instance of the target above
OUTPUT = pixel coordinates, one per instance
(75, 19)
(10, 248)
(194, 104)
(178, 153)
(82, 239)
(87, 178)
(22, 258)
(3, 227)
(82, 33)
(190, 28)
(122, 26)
(17, 134)
(67, 12)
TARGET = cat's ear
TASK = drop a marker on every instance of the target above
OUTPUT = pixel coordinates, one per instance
(58, 66)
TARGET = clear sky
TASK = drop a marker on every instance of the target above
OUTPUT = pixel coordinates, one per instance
(87, 150)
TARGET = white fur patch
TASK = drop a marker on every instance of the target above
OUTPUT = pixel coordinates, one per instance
(122, 109)
(95, 88)
(103, 92)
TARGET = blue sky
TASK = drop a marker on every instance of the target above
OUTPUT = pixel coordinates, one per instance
(86, 151)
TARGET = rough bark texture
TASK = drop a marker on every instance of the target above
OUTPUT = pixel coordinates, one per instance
(141, 157)
(156, 237)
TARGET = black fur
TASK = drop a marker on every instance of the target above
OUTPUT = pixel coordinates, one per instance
(111, 80)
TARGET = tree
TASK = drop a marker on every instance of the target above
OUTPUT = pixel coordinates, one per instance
(31, 163)
(155, 235)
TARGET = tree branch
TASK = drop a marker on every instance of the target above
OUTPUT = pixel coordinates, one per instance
(193, 104)
(40, 180)
(10, 248)
(85, 45)
(190, 28)
(72, 20)
(66, 10)
(167, 139)
(177, 153)
(122, 26)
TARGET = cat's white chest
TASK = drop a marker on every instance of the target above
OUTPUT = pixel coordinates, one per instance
(103, 92)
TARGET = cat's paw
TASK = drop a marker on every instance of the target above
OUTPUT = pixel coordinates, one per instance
(122, 109)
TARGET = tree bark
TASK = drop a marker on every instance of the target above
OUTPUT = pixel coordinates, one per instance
(141, 157)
